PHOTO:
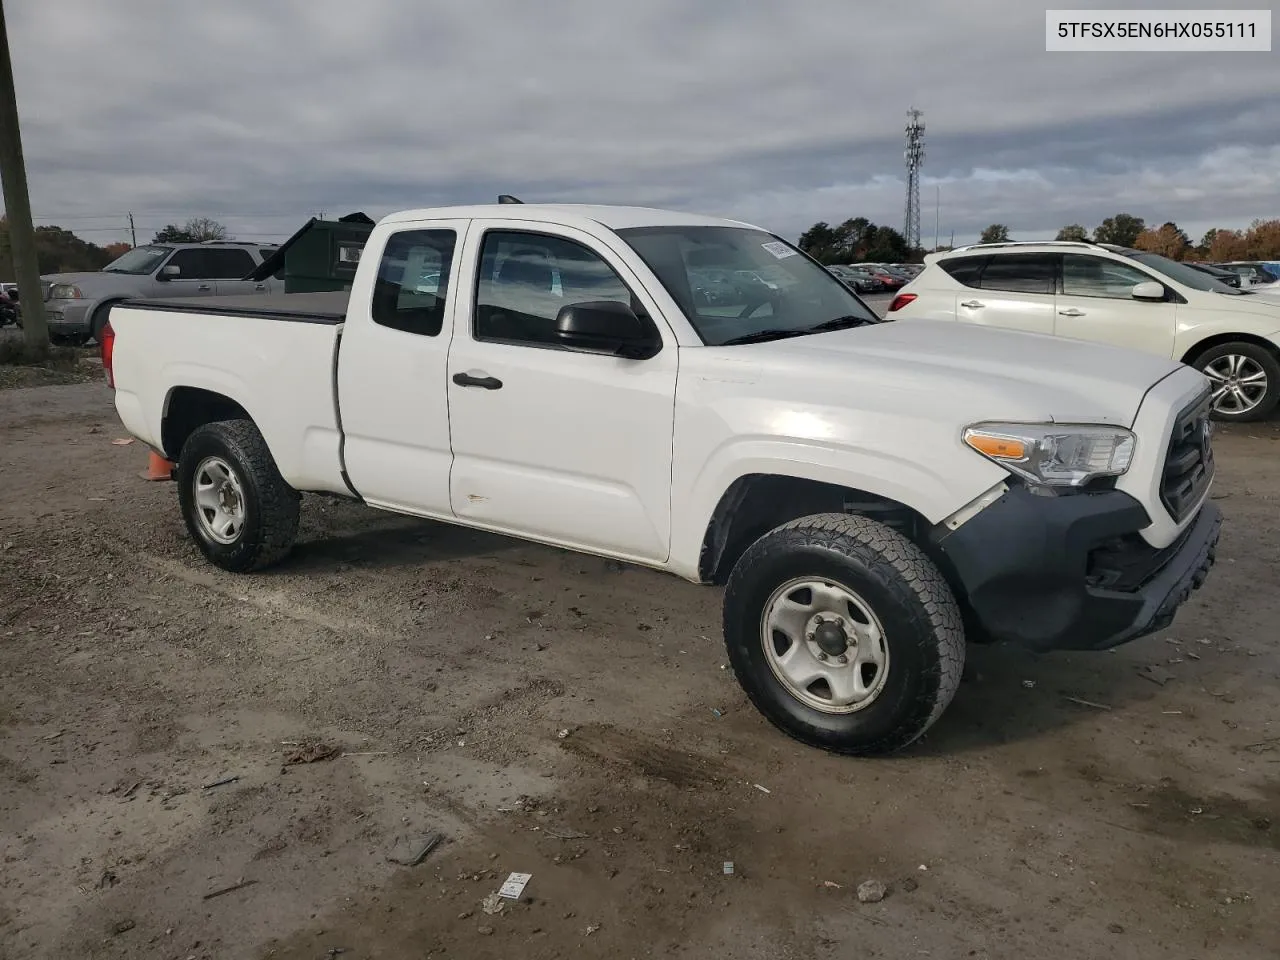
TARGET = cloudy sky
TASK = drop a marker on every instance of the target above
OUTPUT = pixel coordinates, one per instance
(260, 114)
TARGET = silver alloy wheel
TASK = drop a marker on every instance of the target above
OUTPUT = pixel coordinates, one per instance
(825, 645)
(1239, 383)
(219, 500)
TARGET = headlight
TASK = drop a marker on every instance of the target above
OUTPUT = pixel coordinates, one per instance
(1057, 455)
(64, 291)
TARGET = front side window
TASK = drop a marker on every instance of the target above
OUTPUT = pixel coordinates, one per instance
(741, 285)
(1021, 273)
(1085, 276)
(413, 281)
(140, 261)
(526, 278)
(192, 263)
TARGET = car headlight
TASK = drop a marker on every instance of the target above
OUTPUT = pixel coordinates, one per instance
(1056, 455)
(64, 291)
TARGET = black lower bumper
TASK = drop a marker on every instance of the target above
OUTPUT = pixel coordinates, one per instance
(1071, 572)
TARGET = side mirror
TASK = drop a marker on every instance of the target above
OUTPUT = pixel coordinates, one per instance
(605, 326)
(1148, 290)
(169, 272)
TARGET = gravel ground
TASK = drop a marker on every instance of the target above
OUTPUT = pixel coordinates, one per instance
(571, 718)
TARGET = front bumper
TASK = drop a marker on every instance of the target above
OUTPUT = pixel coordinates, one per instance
(67, 316)
(1071, 572)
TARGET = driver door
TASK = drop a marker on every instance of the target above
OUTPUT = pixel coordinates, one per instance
(1096, 303)
(195, 279)
(548, 442)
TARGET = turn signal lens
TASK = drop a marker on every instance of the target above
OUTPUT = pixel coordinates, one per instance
(1000, 448)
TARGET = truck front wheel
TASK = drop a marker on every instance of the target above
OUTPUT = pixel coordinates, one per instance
(239, 510)
(843, 634)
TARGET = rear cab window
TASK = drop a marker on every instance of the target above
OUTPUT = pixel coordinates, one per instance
(412, 284)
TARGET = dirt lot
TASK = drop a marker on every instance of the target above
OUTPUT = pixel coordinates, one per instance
(569, 718)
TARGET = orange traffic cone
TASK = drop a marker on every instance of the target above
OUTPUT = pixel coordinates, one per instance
(158, 468)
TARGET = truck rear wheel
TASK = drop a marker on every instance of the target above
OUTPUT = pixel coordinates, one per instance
(843, 634)
(239, 510)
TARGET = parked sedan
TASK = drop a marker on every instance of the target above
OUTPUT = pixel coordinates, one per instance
(860, 280)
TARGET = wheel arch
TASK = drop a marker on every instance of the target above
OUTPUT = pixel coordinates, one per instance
(1221, 339)
(756, 503)
(188, 408)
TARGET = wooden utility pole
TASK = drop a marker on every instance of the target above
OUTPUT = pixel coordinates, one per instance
(17, 205)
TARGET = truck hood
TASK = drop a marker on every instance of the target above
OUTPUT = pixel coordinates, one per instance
(936, 368)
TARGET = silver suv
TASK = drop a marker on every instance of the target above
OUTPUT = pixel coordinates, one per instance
(76, 304)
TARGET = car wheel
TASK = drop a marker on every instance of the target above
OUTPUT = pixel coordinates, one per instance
(98, 321)
(1245, 379)
(843, 634)
(238, 509)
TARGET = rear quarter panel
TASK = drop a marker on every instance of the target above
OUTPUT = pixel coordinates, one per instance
(280, 372)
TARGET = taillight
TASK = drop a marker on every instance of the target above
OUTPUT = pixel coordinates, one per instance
(106, 344)
(900, 301)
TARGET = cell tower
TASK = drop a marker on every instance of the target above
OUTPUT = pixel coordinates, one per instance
(914, 156)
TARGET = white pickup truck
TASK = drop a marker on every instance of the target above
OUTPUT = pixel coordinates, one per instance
(873, 493)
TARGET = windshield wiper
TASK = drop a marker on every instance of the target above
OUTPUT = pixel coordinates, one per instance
(763, 336)
(840, 323)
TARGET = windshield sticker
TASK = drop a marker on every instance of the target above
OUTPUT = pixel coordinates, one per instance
(779, 249)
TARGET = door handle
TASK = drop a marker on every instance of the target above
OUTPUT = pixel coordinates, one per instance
(1073, 312)
(972, 304)
(204, 286)
(261, 286)
(485, 383)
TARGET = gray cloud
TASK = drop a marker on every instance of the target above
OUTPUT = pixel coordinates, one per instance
(261, 114)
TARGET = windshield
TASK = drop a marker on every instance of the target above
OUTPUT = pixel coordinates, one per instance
(1185, 275)
(139, 260)
(738, 284)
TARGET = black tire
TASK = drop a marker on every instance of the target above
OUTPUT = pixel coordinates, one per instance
(1265, 359)
(921, 623)
(271, 506)
(98, 321)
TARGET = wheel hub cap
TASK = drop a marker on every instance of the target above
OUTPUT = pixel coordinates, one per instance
(219, 500)
(825, 645)
(1239, 383)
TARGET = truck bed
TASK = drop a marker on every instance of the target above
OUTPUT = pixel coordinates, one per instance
(326, 307)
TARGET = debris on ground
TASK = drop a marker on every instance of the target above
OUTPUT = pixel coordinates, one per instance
(485, 931)
(411, 851)
(220, 783)
(592, 928)
(910, 885)
(122, 441)
(124, 926)
(231, 889)
(728, 868)
(54, 736)
(1087, 703)
(1029, 684)
(311, 753)
(515, 885)
(108, 879)
(831, 885)
(492, 904)
(762, 789)
(1156, 674)
(1115, 928)
(871, 891)
(563, 734)
(716, 712)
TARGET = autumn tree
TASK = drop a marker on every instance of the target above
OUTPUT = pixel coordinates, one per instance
(115, 250)
(996, 233)
(1168, 241)
(1262, 241)
(1074, 232)
(1122, 230)
(1227, 245)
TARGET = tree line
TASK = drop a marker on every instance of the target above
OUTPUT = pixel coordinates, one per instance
(1261, 241)
(61, 251)
(858, 239)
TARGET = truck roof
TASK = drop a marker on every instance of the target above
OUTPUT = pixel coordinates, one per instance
(570, 214)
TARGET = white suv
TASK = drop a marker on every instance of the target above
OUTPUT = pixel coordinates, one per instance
(1113, 295)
